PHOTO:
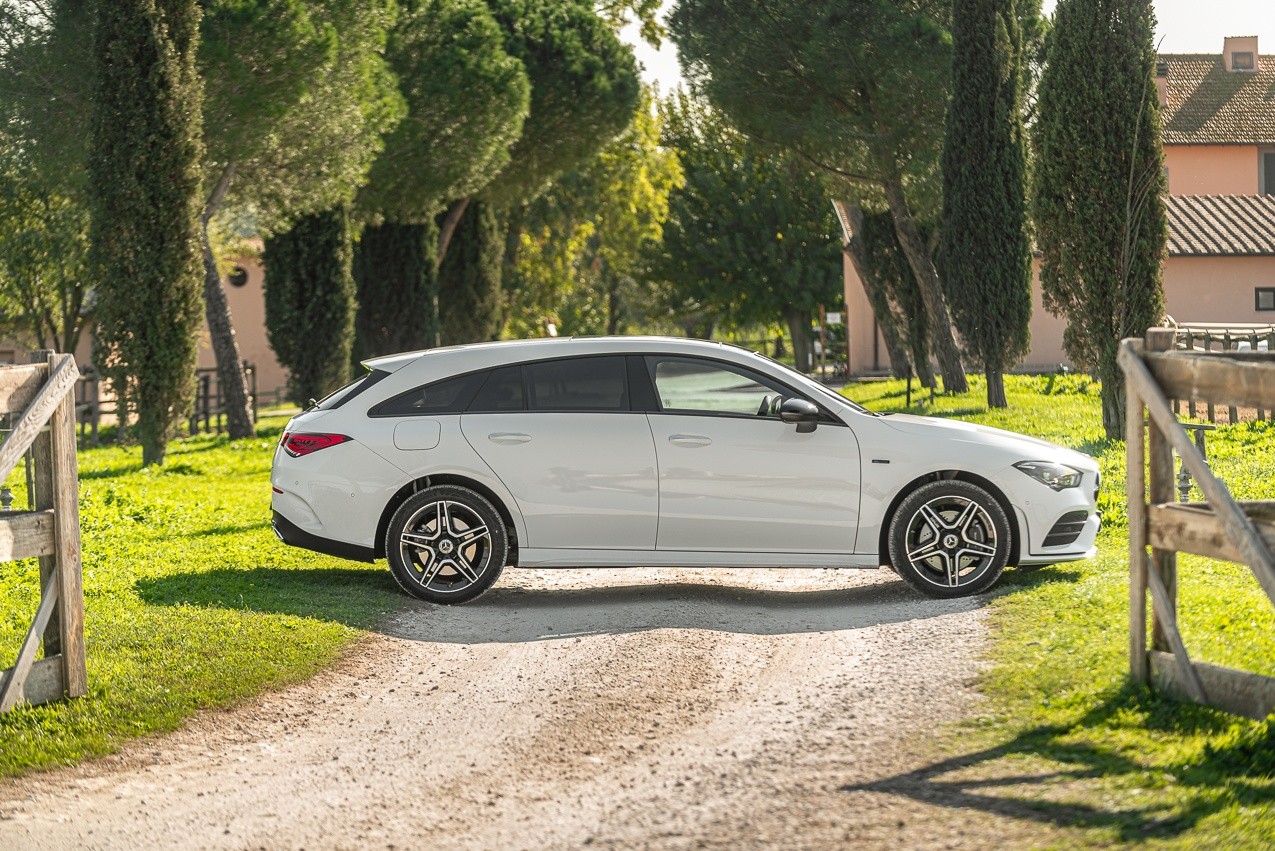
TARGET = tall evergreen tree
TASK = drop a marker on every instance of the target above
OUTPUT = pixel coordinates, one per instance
(469, 279)
(984, 252)
(310, 302)
(144, 177)
(397, 280)
(1098, 185)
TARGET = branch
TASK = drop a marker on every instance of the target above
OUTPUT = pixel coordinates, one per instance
(218, 193)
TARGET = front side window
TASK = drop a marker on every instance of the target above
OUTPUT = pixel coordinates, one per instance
(696, 386)
(579, 384)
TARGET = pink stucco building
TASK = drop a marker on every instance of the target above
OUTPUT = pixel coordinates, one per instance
(1218, 114)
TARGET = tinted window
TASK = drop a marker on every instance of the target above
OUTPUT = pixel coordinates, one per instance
(502, 391)
(695, 385)
(339, 397)
(579, 384)
(449, 396)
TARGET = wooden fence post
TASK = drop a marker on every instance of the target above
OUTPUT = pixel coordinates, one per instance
(1135, 455)
(1161, 481)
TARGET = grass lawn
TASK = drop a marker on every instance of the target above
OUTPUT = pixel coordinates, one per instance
(1063, 738)
(190, 601)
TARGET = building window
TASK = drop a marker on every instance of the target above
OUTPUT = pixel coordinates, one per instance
(238, 276)
(1265, 298)
(1268, 172)
(1245, 61)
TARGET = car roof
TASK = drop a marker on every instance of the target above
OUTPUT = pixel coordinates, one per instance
(518, 350)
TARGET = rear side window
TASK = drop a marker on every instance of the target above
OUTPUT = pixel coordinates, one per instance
(449, 396)
(339, 397)
(502, 391)
(579, 384)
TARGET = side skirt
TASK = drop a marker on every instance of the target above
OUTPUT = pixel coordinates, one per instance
(685, 558)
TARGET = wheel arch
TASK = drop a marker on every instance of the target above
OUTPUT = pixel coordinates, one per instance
(1016, 534)
(402, 494)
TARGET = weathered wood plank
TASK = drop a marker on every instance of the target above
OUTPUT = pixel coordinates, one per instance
(1240, 530)
(1216, 379)
(1161, 481)
(40, 481)
(33, 419)
(1241, 692)
(14, 685)
(1135, 456)
(1193, 528)
(26, 534)
(66, 516)
(44, 682)
(20, 384)
(1166, 608)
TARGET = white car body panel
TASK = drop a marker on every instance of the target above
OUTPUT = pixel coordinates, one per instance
(580, 480)
(611, 489)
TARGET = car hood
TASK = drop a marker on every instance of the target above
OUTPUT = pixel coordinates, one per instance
(1029, 448)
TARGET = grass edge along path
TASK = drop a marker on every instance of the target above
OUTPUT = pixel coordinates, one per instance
(190, 601)
(1062, 738)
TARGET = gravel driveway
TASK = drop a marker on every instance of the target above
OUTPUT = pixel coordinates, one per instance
(611, 708)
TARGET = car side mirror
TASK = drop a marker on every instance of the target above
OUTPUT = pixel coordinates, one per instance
(801, 412)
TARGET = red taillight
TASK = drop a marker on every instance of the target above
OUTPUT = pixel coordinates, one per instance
(297, 445)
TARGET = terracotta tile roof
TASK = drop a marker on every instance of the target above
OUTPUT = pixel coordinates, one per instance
(1221, 225)
(1208, 105)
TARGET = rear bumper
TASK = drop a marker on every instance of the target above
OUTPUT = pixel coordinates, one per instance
(292, 534)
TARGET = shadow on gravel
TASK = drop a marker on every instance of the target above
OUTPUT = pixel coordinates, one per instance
(998, 780)
(505, 615)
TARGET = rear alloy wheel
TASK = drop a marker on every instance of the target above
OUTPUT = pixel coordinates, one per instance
(446, 544)
(949, 539)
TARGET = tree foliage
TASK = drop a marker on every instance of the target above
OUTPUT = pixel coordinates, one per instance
(896, 299)
(469, 279)
(1099, 183)
(144, 169)
(397, 284)
(858, 87)
(310, 302)
(467, 99)
(751, 231)
(985, 252)
(584, 90)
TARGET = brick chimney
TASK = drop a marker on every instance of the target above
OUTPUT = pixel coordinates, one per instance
(1162, 81)
(1239, 53)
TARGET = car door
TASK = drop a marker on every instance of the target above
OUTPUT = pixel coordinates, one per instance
(561, 436)
(733, 477)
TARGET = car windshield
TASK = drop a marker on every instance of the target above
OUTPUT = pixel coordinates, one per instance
(814, 386)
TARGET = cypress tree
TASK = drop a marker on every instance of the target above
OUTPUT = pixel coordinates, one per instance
(1098, 185)
(984, 252)
(144, 180)
(310, 303)
(469, 279)
(396, 278)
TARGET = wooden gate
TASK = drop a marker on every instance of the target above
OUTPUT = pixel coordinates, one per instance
(1218, 528)
(44, 392)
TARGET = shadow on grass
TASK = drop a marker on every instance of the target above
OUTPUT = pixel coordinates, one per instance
(358, 597)
(1236, 775)
(224, 529)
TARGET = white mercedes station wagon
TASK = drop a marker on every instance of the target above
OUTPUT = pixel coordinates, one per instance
(647, 451)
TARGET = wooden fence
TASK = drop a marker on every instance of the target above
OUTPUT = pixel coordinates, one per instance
(1218, 528)
(1219, 337)
(44, 392)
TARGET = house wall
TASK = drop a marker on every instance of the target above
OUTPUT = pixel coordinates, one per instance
(1212, 169)
(248, 310)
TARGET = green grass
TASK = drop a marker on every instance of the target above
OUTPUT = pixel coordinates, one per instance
(190, 601)
(1063, 738)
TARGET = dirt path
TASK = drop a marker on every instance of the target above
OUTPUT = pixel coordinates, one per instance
(662, 709)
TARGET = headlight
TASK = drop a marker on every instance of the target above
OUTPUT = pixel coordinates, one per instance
(1057, 476)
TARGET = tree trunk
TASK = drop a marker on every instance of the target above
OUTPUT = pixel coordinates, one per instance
(221, 329)
(613, 306)
(1113, 398)
(447, 228)
(996, 389)
(894, 345)
(799, 326)
(927, 278)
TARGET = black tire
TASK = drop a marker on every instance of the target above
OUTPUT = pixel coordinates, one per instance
(949, 539)
(456, 544)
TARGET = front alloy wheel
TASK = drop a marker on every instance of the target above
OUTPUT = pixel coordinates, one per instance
(949, 539)
(446, 544)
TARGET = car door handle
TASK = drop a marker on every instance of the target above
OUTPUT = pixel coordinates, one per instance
(509, 437)
(689, 440)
